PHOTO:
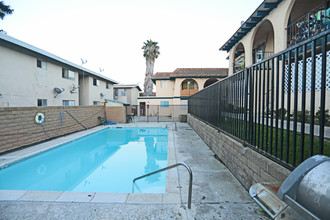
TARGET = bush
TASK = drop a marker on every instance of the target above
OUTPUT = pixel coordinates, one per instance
(326, 116)
(300, 116)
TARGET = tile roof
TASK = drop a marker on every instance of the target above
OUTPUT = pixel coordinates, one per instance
(162, 75)
(200, 72)
(192, 73)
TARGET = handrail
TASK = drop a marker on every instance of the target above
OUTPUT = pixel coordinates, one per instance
(167, 168)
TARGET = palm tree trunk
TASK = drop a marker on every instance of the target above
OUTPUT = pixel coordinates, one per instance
(148, 85)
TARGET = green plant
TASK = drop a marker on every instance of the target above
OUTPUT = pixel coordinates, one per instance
(300, 116)
(326, 116)
(279, 112)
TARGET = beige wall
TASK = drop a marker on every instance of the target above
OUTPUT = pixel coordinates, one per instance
(22, 82)
(165, 92)
(154, 101)
(92, 93)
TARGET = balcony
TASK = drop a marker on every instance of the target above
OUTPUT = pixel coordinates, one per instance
(309, 25)
(188, 92)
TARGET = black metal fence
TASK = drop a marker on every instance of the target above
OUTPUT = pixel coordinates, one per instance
(157, 113)
(279, 107)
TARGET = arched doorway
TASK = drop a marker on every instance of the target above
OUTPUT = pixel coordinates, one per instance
(263, 42)
(307, 19)
(210, 82)
(239, 58)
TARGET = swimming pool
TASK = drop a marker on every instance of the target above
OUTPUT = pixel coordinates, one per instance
(105, 161)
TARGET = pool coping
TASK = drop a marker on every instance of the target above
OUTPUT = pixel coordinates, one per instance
(172, 196)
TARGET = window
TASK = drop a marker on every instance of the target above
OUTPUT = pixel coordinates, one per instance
(67, 74)
(189, 84)
(96, 82)
(121, 92)
(42, 102)
(41, 64)
(164, 103)
(96, 103)
(68, 102)
(163, 84)
(108, 86)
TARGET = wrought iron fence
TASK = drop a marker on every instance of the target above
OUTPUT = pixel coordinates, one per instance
(277, 106)
(157, 113)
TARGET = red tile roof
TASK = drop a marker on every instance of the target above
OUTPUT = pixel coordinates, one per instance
(192, 73)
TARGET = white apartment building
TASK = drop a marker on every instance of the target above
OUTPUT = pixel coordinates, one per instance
(30, 76)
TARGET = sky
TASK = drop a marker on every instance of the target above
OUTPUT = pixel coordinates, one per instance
(109, 34)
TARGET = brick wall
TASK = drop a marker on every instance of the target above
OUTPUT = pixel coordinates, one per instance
(18, 127)
(247, 165)
(116, 114)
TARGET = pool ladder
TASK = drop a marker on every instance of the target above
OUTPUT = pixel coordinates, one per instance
(167, 168)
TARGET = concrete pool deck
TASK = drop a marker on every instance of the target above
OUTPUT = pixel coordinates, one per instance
(216, 193)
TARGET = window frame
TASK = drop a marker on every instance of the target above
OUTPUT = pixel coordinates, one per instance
(66, 74)
(41, 64)
(96, 82)
(164, 84)
(70, 102)
(42, 101)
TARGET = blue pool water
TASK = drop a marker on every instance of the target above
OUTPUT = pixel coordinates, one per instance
(106, 161)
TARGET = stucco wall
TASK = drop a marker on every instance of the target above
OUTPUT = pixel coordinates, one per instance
(18, 127)
(165, 92)
(95, 91)
(22, 82)
(247, 165)
(279, 19)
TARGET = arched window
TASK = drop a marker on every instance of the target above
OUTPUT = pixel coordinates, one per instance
(189, 84)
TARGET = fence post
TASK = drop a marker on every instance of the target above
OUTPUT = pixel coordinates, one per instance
(246, 73)
(148, 113)
(158, 113)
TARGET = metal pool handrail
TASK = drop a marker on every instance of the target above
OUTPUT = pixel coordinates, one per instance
(167, 168)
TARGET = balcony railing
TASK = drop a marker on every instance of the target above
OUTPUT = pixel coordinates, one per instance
(188, 92)
(261, 55)
(309, 25)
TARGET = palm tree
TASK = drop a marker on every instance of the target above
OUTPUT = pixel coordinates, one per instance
(151, 52)
(5, 9)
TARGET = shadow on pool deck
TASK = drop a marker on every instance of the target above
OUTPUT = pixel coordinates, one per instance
(217, 194)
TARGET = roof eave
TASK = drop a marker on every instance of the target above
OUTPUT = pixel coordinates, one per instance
(262, 11)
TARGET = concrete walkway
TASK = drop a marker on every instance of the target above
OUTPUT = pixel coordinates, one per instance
(216, 192)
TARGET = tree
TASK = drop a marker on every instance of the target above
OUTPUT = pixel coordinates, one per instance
(5, 9)
(151, 52)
